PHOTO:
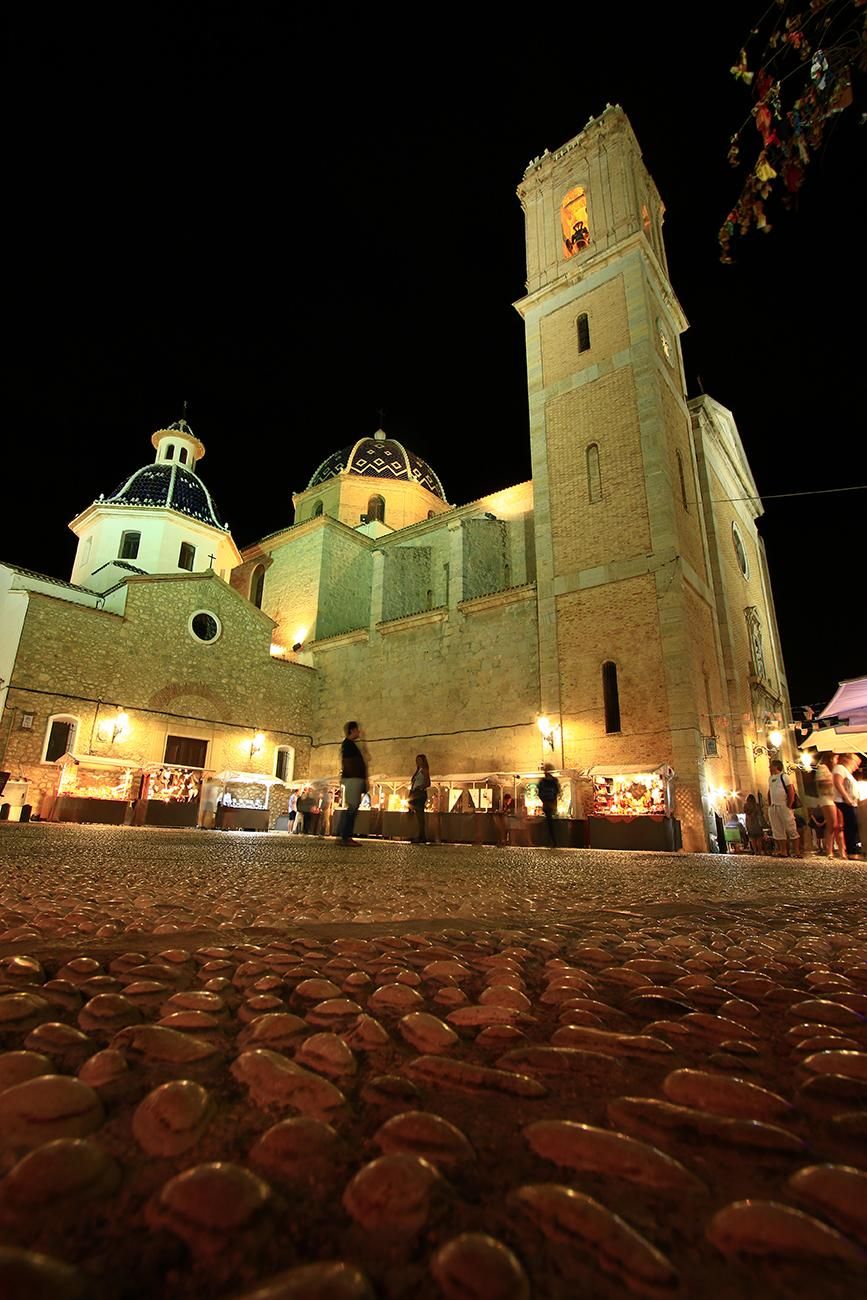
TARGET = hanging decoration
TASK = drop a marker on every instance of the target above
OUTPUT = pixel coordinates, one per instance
(799, 63)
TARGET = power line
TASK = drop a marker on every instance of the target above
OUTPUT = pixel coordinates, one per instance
(780, 496)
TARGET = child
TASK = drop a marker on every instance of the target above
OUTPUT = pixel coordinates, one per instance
(753, 819)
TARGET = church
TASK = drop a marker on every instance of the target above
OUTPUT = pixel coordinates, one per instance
(613, 615)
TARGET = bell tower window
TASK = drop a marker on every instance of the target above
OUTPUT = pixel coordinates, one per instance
(376, 509)
(317, 510)
(186, 556)
(682, 481)
(594, 473)
(169, 451)
(182, 455)
(583, 327)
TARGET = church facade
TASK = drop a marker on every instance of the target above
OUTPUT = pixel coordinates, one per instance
(612, 614)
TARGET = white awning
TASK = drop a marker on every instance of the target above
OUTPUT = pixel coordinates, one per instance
(850, 702)
(839, 740)
(247, 778)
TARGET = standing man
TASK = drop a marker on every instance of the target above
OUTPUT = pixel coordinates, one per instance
(549, 793)
(353, 775)
(781, 800)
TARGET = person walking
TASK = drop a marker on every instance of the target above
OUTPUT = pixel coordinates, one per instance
(781, 799)
(324, 824)
(846, 799)
(755, 829)
(418, 788)
(353, 775)
(826, 799)
(549, 793)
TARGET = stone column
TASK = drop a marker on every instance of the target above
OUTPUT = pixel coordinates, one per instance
(377, 588)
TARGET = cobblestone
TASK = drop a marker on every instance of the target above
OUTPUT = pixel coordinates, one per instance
(236, 1064)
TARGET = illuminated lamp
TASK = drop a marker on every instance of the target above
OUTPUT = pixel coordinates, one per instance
(806, 761)
(549, 731)
(775, 738)
(256, 744)
(113, 729)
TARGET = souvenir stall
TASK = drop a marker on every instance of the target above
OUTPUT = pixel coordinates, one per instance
(170, 796)
(95, 789)
(495, 808)
(633, 810)
(244, 801)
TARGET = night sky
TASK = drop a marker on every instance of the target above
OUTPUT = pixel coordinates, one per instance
(295, 219)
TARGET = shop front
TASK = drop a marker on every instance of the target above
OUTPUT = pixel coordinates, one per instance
(633, 810)
(170, 796)
(243, 801)
(91, 789)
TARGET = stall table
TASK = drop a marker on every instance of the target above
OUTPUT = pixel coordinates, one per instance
(78, 808)
(233, 817)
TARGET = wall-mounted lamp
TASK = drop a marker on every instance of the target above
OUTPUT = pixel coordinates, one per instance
(550, 732)
(775, 738)
(297, 646)
(256, 744)
(806, 761)
(113, 729)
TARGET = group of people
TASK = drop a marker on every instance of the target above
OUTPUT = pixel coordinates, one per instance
(831, 819)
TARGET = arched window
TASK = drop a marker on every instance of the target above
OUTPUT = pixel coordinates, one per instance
(682, 481)
(284, 765)
(376, 509)
(431, 514)
(182, 455)
(611, 696)
(129, 544)
(583, 327)
(60, 736)
(317, 510)
(169, 451)
(594, 473)
(257, 586)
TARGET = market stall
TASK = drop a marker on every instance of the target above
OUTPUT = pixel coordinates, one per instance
(633, 810)
(470, 808)
(244, 801)
(95, 789)
(170, 796)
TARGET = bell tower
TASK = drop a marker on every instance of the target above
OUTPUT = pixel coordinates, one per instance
(627, 632)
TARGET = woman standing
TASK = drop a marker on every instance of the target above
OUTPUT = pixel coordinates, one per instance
(846, 800)
(418, 788)
(754, 825)
(825, 797)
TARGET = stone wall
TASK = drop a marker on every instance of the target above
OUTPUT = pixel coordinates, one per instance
(344, 587)
(485, 558)
(408, 581)
(460, 686)
(585, 533)
(90, 664)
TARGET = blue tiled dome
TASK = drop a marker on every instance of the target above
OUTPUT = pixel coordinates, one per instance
(379, 457)
(166, 484)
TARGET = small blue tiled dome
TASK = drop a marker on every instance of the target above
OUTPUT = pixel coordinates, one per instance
(168, 484)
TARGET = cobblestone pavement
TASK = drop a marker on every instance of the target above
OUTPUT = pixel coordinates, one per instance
(237, 1065)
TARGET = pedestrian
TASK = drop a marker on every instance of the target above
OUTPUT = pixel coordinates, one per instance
(781, 798)
(325, 803)
(298, 824)
(825, 797)
(755, 828)
(549, 793)
(418, 788)
(353, 776)
(846, 799)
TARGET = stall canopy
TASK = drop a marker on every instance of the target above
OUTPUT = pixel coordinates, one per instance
(849, 705)
(849, 708)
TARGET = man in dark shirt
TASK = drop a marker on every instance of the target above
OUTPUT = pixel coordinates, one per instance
(549, 793)
(353, 776)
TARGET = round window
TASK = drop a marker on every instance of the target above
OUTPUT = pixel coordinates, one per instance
(205, 626)
(740, 551)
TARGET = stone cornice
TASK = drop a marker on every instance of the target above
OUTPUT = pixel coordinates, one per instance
(495, 599)
(413, 620)
(341, 638)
